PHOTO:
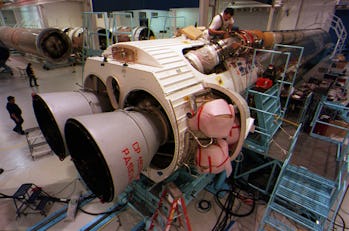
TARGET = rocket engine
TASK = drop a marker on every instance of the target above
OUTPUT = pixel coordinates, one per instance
(49, 43)
(151, 106)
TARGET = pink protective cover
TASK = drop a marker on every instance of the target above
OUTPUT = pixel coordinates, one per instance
(214, 158)
(214, 119)
(234, 133)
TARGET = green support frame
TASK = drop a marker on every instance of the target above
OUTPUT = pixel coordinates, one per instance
(115, 25)
(268, 110)
(170, 25)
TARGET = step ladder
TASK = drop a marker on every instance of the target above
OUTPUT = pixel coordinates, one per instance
(177, 209)
(30, 198)
(37, 144)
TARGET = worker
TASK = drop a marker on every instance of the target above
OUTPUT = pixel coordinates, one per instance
(31, 75)
(15, 114)
(221, 25)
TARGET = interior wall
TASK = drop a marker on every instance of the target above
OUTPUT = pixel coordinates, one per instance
(107, 5)
(157, 23)
(156, 20)
(303, 14)
(71, 12)
(162, 23)
(8, 18)
(29, 17)
(294, 14)
(251, 18)
(191, 15)
(26, 16)
(52, 14)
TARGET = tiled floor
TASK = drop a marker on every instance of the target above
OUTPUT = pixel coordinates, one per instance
(60, 178)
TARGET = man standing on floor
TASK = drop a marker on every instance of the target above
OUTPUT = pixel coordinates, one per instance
(31, 75)
(15, 114)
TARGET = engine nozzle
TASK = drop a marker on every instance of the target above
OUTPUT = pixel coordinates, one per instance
(108, 158)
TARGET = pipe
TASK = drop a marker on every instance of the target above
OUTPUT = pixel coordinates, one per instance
(207, 57)
(49, 43)
(203, 12)
(293, 37)
(270, 18)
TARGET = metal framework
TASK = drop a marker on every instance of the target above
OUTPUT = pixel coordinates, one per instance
(267, 105)
(270, 112)
(338, 27)
(335, 110)
(91, 44)
(170, 25)
(115, 25)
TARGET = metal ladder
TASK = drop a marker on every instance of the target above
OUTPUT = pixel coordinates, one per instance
(305, 198)
(338, 27)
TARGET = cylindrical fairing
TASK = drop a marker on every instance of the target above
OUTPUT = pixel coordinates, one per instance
(110, 157)
(76, 37)
(50, 43)
(53, 109)
(293, 37)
